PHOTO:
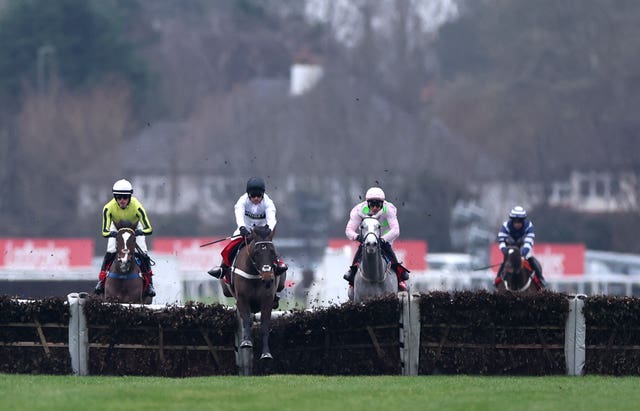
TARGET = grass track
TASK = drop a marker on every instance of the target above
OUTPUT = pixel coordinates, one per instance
(301, 393)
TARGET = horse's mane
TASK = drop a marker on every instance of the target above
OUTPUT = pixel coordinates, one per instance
(262, 231)
(125, 224)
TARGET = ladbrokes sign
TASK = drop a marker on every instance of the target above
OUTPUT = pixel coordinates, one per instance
(45, 254)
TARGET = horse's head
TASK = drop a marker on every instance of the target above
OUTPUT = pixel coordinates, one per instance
(262, 253)
(513, 260)
(125, 248)
(516, 275)
(370, 233)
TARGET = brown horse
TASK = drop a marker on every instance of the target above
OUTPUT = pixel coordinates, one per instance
(254, 285)
(124, 283)
(517, 275)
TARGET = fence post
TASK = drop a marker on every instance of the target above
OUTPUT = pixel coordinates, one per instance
(575, 336)
(78, 334)
(244, 356)
(409, 333)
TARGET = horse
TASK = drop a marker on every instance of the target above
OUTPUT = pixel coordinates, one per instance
(124, 283)
(254, 285)
(517, 276)
(374, 276)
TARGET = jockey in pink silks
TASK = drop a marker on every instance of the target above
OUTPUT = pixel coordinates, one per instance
(386, 213)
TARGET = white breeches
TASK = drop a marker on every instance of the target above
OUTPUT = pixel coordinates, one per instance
(140, 240)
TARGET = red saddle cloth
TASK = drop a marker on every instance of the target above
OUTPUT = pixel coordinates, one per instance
(226, 251)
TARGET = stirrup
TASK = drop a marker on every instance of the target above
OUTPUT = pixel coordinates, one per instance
(99, 288)
(150, 291)
(349, 277)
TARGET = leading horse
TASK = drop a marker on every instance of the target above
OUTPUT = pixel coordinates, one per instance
(374, 276)
(124, 282)
(517, 275)
(254, 285)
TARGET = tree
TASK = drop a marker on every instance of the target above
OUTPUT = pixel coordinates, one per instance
(72, 40)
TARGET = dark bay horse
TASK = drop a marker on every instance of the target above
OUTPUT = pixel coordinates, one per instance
(124, 283)
(374, 276)
(254, 285)
(517, 275)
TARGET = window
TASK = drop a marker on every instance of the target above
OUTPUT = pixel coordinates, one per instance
(585, 188)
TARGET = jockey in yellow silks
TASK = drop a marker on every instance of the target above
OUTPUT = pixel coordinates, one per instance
(124, 207)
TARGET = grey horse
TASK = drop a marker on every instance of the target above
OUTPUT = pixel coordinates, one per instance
(374, 277)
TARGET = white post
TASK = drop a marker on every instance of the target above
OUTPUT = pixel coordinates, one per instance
(575, 336)
(78, 334)
(409, 333)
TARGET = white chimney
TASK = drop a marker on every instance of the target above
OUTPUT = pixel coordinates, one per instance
(304, 77)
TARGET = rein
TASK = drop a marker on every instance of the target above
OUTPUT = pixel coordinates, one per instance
(525, 287)
(131, 276)
(245, 274)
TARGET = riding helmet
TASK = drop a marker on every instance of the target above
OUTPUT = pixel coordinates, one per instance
(255, 184)
(518, 212)
(122, 187)
(374, 193)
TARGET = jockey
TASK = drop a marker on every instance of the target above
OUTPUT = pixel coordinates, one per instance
(377, 207)
(518, 230)
(253, 208)
(125, 207)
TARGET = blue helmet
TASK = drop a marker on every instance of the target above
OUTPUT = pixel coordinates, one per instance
(518, 212)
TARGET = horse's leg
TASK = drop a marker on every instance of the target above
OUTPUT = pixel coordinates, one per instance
(265, 326)
(245, 317)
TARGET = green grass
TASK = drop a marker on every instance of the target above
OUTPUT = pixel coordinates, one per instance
(301, 393)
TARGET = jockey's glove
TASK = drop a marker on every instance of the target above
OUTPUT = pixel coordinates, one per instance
(113, 234)
(139, 232)
(243, 231)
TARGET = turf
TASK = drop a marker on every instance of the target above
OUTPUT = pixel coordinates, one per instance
(301, 393)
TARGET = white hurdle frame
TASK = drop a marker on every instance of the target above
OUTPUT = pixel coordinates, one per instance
(409, 336)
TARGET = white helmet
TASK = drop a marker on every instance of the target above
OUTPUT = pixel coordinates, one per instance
(122, 187)
(518, 212)
(374, 193)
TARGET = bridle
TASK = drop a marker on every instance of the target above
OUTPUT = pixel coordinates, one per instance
(125, 254)
(261, 269)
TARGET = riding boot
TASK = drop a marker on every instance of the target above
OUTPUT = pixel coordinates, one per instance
(276, 302)
(402, 274)
(498, 279)
(537, 269)
(147, 273)
(401, 271)
(221, 272)
(100, 286)
(350, 275)
(148, 280)
(281, 266)
(102, 276)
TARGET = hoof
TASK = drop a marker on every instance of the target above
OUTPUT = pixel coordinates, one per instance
(246, 344)
(266, 356)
